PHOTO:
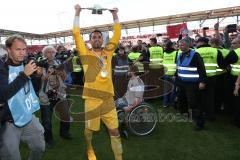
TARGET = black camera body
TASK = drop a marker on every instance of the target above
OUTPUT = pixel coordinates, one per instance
(62, 56)
(205, 28)
(232, 28)
(40, 62)
(52, 95)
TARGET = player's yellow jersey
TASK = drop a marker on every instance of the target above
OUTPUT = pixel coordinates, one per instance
(96, 85)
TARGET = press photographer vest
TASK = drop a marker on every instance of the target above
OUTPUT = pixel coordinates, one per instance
(25, 102)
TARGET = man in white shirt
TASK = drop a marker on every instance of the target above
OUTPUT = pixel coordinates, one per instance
(134, 94)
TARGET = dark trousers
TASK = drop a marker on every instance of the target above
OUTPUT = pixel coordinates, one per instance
(188, 98)
(208, 98)
(220, 92)
(120, 85)
(2, 127)
(237, 109)
(46, 116)
(77, 78)
(233, 102)
(229, 97)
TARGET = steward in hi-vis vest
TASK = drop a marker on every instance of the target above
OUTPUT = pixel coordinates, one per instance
(134, 57)
(169, 63)
(212, 58)
(221, 77)
(232, 60)
(191, 78)
(156, 54)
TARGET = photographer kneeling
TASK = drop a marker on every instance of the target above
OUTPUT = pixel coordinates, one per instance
(55, 89)
(19, 102)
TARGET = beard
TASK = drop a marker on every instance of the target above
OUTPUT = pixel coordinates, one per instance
(97, 45)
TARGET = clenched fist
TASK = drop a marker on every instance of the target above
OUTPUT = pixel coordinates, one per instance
(78, 9)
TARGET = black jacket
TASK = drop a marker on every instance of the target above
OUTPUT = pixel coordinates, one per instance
(231, 58)
(8, 90)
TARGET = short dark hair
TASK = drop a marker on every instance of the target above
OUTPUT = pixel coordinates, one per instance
(60, 46)
(203, 39)
(11, 39)
(134, 48)
(133, 68)
(154, 40)
(169, 44)
(95, 31)
(215, 41)
(121, 48)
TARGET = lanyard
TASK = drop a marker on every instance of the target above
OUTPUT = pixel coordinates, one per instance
(100, 58)
(104, 72)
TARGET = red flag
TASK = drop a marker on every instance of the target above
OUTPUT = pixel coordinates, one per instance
(174, 30)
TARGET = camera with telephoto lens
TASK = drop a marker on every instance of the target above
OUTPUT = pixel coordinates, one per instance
(53, 82)
(232, 28)
(40, 61)
(62, 56)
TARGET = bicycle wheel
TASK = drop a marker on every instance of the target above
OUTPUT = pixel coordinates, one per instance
(142, 119)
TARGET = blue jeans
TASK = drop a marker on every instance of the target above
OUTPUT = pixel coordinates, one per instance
(69, 79)
(121, 103)
(170, 93)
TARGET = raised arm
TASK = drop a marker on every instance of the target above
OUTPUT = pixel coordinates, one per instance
(113, 42)
(226, 40)
(80, 44)
(217, 34)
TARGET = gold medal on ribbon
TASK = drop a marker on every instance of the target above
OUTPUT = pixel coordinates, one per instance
(102, 65)
(104, 74)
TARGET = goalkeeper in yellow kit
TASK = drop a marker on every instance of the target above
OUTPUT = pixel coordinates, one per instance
(98, 88)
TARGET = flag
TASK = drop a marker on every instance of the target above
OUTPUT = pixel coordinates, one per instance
(174, 30)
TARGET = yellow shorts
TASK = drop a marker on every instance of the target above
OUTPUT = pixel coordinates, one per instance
(96, 110)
